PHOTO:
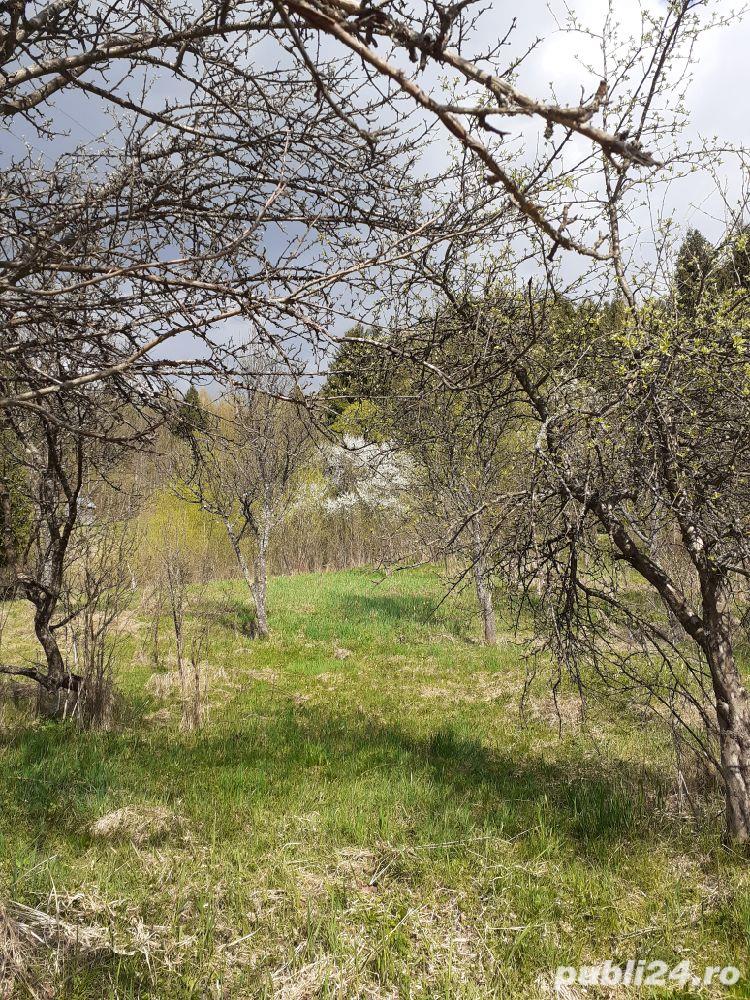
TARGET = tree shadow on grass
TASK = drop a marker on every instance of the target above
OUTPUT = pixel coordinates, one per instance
(234, 613)
(397, 610)
(59, 779)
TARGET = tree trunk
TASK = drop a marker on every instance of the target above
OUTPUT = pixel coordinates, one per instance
(261, 572)
(56, 513)
(58, 693)
(483, 587)
(735, 765)
(732, 713)
(244, 569)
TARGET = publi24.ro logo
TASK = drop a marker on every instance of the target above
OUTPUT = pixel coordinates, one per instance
(640, 972)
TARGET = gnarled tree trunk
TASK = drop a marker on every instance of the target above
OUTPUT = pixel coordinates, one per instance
(59, 687)
(732, 711)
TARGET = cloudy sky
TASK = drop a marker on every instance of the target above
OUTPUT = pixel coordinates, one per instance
(721, 74)
(717, 96)
(567, 64)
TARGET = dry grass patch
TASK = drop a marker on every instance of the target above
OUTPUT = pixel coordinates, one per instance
(35, 943)
(440, 691)
(327, 976)
(169, 683)
(328, 677)
(264, 674)
(140, 825)
(564, 712)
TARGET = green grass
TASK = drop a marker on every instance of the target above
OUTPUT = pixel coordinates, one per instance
(378, 824)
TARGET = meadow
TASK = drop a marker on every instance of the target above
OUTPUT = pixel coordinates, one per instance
(365, 812)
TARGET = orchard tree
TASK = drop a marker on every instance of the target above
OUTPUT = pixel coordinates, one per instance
(433, 406)
(246, 455)
(460, 457)
(638, 429)
(58, 457)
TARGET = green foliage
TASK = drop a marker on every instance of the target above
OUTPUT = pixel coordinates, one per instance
(694, 272)
(170, 523)
(738, 265)
(366, 418)
(190, 417)
(356, 374)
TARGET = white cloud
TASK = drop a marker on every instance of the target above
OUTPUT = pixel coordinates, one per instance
(716, 96)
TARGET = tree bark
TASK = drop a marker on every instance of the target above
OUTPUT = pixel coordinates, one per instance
(58, 691)
(732, 712)
(59, 688)
(483, 587)
(244, 569)
(260, 584)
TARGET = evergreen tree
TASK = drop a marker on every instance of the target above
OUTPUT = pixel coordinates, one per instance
(190, 417)
(693, 272)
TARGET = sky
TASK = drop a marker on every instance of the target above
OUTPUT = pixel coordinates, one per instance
(716, 97)
(566, 64)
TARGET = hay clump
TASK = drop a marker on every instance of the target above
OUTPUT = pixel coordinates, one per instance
(143, 825)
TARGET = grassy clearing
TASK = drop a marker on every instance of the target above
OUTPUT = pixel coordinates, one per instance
(365, 814)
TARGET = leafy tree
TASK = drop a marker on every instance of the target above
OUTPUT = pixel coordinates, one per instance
(694, 272)
(358, 371)
(737, 271)
(190, 417)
